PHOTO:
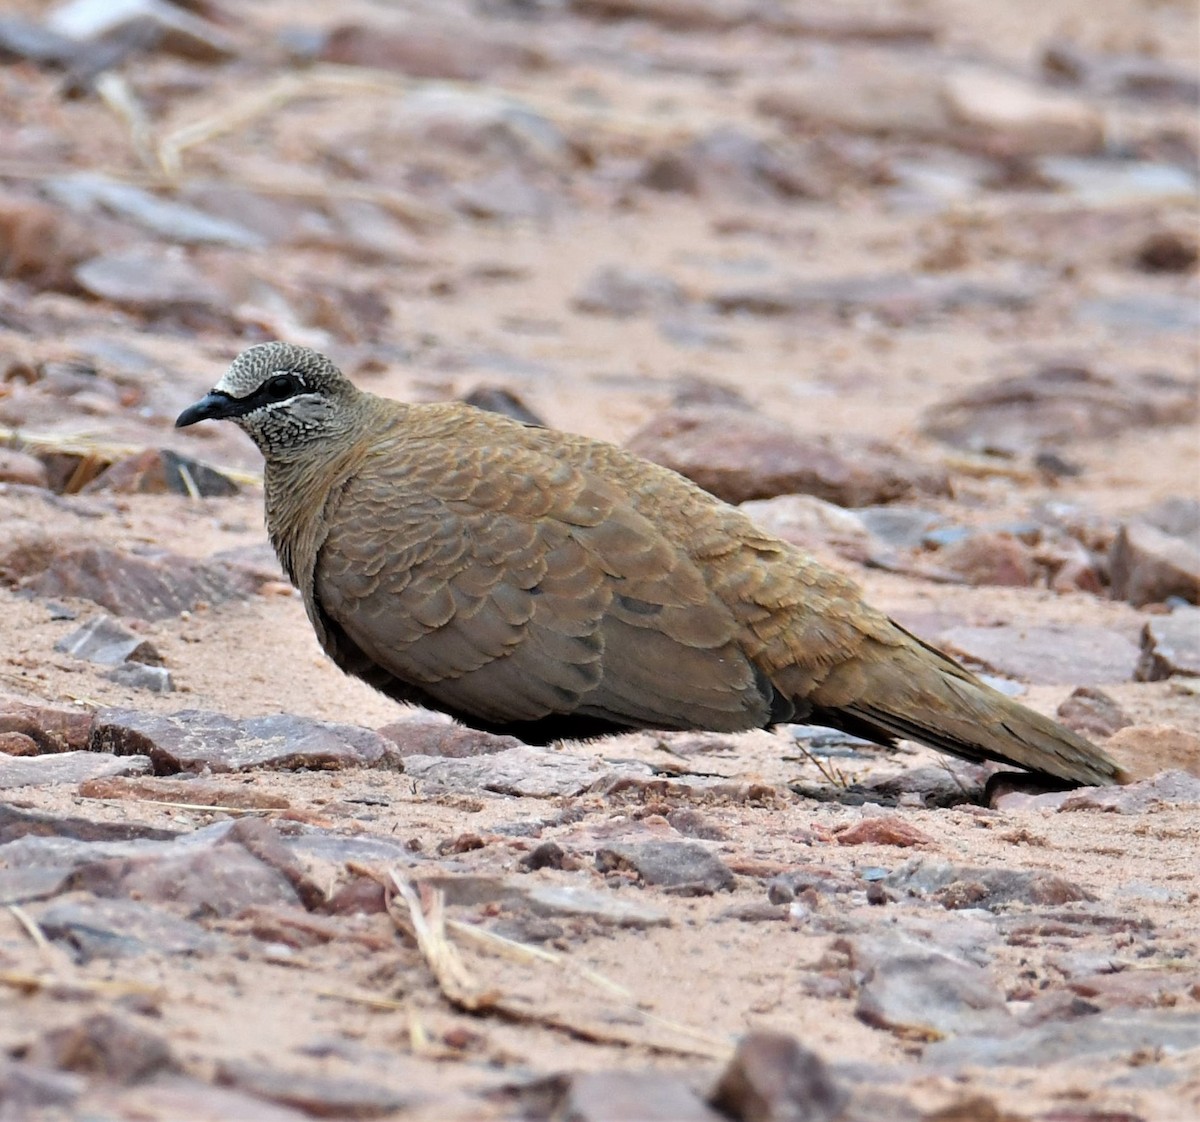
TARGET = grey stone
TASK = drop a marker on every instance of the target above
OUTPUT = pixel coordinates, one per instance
(1058, 404)
(1169, 788)
(120, 929)
(219, 880)
(619, 1096)
(917, 992)
(524, 772)
(154, 679)
(1118, 1032)
(17, 823)
(195, 739)
(147, 282)
(175, 30)
(962, 886)
(104, 640)
(85, 191)
(320, 1096)
(1149, 566)
(774, 1078)
(35, 883)
(151, 586)
(623, 291)
(66, 767)
(898, 298)
(604, 907)
(27, 1089)
(1151, 314)
(1170, 645)
(1047, 654)
(683, 866)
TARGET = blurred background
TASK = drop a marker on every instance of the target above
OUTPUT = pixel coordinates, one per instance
(940, 241)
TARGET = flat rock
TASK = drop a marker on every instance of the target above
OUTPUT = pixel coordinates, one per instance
(178, 222)
(1150, 566)
(524, 772)
(219, 880)
(19, 467)
(173, 1097)
(622, 291)
(739, 455)
(923, 994)
(897, 299)
(684, 866)
(774, 1078)
(154, 586)
(105, 1046)
(196, 739)
(604, 907)
(120, 929)
(17, 823)
(159, 471)
(66, 767)
(317, 1095)
(430, 734)
(26, 1086)
(51, 729)
(1012, 116)
(33, 883)
(1169, 788)
(1047, 654)
(427, 49)
(958, 886)
(147, 282)
(107, 642)
(1118, 1032)
(1055, 405)
(137, 676)
(618, 1096)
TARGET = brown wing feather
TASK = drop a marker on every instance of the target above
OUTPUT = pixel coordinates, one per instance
(517, 585)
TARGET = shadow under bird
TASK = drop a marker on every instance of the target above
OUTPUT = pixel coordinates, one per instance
(546, 585)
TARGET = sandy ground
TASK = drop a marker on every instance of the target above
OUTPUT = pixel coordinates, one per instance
(489, 303)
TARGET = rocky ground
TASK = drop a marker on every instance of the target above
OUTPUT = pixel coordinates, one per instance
(916, 282)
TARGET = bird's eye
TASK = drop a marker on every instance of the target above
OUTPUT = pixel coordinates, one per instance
(281, 386)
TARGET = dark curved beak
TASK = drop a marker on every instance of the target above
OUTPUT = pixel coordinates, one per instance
(215, 406)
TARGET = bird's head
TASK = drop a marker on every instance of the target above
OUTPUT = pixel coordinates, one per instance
(283, 396)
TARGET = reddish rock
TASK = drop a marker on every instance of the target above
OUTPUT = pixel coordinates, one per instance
(106, 1046)
(774, 1078)
(996, 559)
(17, 744)
(432, 50)
(1149, 566)
(1092, 713)
(1145, 751)
(151, 586)
(1046, 653)
(738, 455)
(883, 830)
(50, 729)
(162, 472)
(195, 740)
(39, 244)
(429, 734)
(18, 467)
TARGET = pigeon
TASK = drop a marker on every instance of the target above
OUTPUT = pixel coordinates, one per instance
(531, 582)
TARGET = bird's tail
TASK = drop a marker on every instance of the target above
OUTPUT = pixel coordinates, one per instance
(914, 691)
